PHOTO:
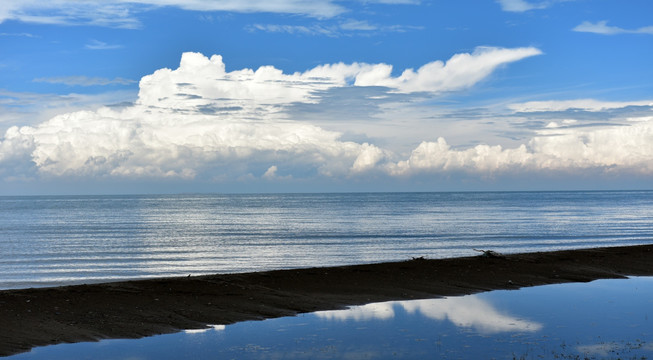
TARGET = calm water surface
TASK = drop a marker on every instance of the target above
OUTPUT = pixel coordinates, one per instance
(75, 239)
(605, 319)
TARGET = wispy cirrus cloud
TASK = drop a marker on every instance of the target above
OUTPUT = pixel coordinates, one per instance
(392, 2)
(315, 29)
(114, 14)
(125, 13)
(343, 28)
(575, 104)
(23, 34)
(602, 27)
(522, 5)
(101, 45)
(315, 8)
(527, 5)
(81, 80)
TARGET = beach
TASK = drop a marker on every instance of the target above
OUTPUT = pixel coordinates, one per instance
(134, 309)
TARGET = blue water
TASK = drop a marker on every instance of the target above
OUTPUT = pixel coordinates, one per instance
(605, 319)
(76, 239)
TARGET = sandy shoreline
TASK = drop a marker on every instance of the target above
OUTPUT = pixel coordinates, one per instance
(133, 309)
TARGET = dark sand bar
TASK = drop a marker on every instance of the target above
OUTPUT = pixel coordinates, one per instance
(133, 309)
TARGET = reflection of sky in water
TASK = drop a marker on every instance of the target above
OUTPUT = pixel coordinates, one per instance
(603, 319)
(465, 312)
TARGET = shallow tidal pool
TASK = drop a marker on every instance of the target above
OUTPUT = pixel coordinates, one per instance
(604, 319)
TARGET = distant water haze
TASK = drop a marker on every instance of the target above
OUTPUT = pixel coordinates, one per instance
(47, 241)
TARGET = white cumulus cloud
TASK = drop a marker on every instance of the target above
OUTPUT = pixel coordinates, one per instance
(438, 156)
(616, 148)
(145, 142)
(200, 120)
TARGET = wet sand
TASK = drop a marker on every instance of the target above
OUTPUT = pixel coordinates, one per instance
(133, 309)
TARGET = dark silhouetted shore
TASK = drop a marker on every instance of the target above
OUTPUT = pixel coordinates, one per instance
(133, 309)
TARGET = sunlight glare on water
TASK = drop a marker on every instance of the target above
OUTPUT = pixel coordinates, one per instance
(75, 239)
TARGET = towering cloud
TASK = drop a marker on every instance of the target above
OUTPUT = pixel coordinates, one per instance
(201, 119)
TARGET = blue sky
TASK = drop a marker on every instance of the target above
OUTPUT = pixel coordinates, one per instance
(120, 96)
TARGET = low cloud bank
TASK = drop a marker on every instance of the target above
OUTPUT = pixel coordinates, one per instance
(201, 121)
(610, 148)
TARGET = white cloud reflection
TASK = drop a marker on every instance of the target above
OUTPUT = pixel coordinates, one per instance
(374, 311)
(208, 328)
(465, 312)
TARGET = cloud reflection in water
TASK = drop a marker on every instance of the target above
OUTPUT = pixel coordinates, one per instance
(466, 312)
(208, 328)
